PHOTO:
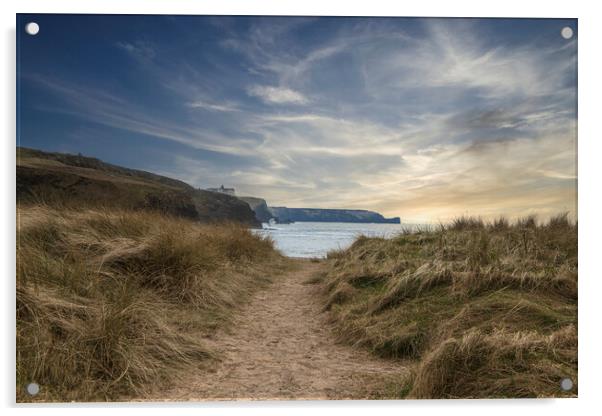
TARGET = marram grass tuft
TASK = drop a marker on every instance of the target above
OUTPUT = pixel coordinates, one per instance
(477, 309)
(115, 303)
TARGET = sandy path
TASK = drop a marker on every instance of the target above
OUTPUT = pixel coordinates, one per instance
(281, 347)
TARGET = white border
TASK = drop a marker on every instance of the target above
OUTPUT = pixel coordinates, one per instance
(458, 8)
(589, 196)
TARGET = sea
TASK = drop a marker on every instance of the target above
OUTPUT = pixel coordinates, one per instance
(316, 239)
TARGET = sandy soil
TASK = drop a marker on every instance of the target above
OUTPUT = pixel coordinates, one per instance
(282, 347)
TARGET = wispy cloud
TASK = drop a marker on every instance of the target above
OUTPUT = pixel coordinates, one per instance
(110, 110)
(277, 95)
(138, 49)
(454, 59)
(213, 107)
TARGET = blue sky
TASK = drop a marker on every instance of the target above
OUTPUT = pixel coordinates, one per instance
(413, 117)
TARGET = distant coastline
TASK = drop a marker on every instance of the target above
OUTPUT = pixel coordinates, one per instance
(285, 214)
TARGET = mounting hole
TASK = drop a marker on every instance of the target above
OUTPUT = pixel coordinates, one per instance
(32, 389)
(566, 384)
(566, 32)
(32, 28)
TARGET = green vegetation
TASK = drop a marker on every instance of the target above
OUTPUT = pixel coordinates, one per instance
(108, 301)
(478, 309)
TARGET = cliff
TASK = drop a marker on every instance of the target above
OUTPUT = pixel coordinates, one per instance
(259, 206)
(65, 180)
(330, 215)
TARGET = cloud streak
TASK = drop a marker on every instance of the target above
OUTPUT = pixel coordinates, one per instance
(213, 107)
(277, 95)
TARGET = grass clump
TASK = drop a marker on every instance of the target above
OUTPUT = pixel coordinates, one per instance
(481, 309)
(112, 304)
(498, 364)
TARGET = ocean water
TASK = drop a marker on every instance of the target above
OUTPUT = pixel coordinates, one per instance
(316, 239)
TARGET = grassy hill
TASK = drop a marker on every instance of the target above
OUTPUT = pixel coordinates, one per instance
(75, 181)
(121, 275)
(478, 310)
(116, 302)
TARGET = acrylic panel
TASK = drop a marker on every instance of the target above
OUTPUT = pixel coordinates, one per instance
(285, 208)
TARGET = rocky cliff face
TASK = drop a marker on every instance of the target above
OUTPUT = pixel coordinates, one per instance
(330, 215)
(75, 181)
(260, 207)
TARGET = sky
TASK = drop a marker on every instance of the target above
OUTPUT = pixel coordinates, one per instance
(422, 118)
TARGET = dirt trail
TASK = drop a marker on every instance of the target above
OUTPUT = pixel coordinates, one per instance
(282, 347)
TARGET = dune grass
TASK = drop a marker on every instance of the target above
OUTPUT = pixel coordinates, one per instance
(478, 309)
(114, 303)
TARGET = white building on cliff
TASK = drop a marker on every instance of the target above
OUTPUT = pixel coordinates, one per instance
(222, 190)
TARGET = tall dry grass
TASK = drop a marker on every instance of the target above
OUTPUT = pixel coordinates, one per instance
(481, 309)
(114, 303)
